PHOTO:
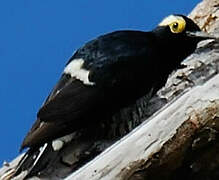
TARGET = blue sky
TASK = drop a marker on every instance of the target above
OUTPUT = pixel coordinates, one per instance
(37, 38)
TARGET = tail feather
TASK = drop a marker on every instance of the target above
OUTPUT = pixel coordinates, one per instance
(35, 160)
(26, 161)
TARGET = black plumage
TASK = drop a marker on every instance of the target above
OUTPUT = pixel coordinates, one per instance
(112, 72)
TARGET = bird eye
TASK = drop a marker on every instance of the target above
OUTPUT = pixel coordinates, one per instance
(177, 27)
(177, 24)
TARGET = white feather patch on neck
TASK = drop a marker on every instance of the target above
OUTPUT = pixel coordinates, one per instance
(74, 68)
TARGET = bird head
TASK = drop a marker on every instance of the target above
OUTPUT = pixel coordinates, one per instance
(181, 26)
(180, 33)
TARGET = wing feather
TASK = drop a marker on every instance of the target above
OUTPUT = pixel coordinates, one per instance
(115, 63)
(69, 102)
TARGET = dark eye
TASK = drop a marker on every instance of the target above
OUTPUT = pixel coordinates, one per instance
(175, 25)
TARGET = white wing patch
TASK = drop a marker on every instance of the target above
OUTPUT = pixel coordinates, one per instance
(75, 69)
(57, 144)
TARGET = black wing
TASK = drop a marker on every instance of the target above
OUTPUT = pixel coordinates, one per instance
(63, 111)
(116, 63)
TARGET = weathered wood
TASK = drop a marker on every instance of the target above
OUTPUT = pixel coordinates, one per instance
(164, 139)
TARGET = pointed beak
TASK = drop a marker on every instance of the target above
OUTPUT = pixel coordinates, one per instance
(200, 34)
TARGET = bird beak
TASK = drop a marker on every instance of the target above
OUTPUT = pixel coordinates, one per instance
(200, 34)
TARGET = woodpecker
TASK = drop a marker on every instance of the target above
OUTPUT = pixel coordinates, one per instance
(108, 74)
